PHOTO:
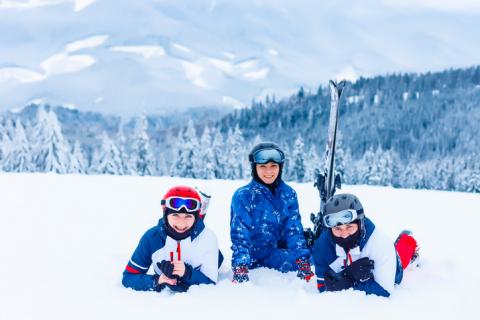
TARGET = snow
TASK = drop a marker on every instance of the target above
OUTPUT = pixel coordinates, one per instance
(22, 75)
(147, 51)
(63, 63)
(193, 72)
(89, 42)
(66, 240)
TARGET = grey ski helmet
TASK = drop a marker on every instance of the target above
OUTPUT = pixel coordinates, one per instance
(343, 203)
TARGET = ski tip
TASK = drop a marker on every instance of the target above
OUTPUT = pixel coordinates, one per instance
(338, 85)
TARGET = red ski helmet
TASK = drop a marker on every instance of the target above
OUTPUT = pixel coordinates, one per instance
(182, 199)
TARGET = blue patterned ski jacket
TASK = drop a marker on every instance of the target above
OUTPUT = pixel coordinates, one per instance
(261, 223)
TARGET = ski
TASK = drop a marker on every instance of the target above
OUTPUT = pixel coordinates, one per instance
(327, 181)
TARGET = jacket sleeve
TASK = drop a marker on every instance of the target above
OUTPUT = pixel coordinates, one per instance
(135, 274)
(240, 230)
(371, 287)
(294, 236)
(382, 252)
(319, 254)
(207, 271)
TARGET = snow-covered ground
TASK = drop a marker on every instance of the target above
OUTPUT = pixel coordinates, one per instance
(65, 240)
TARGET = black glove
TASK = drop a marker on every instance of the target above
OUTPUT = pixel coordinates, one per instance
(167, 268)
(337, 281)
(179, 287)
(188, 273)
(240, 274)
(156, 286)
(360, 270)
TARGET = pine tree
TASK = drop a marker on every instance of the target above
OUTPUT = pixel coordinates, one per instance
(124, 156)
(187, 153)
(18, 154)
(78, 164)
(236, 165)
(206, 157)
(312, 162)
(143, 160)
(298, 154)
(107, 159)
(219, 154)
(51, 151)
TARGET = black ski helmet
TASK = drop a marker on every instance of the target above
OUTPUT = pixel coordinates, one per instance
(265, 146)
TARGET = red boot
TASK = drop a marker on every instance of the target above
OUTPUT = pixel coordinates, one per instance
(407, 248)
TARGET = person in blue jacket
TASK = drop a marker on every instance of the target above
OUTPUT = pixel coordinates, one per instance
(352, 253)
(181, 249)
(265, 224)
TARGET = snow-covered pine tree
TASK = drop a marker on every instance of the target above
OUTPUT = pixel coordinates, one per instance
(78, 164)
(368, 171)
(298, 160)
(186, 161)
(143, 159)
(206, 159)
(236, 165)
(124, 157)
(312, 162)
(17, 156)
(107, 159)
(51, 151)
(219, 154)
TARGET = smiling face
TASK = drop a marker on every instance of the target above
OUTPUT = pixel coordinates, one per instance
(345, 230)
(268, 172)
(181, 222)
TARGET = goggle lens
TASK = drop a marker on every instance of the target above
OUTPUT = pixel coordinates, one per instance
(338, 218)
(267, 155)
(177, 203)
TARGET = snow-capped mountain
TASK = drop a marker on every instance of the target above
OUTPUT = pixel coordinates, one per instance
(130, 56)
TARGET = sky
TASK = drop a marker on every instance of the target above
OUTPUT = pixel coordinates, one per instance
(126, 57)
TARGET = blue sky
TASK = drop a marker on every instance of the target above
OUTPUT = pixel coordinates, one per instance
(126, 57)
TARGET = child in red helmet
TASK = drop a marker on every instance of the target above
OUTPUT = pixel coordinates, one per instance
(181, 249)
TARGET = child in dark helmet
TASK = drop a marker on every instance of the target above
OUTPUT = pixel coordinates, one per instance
(353, 253)
(181, 249)
(265, 225)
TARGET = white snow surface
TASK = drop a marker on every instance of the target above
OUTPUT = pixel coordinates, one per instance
(66, 240)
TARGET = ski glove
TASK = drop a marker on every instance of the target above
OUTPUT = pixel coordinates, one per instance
(188, 272)
(167, 268)
(360, 270)
(179, 287)
(304, 269)
(337, 281)
(240, 274)
(156, 286)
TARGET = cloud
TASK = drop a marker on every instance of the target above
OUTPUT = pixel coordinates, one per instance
(90, 42)
(229, 101)
(78, 5)
(440, 5)
(348, 74)
(193, 72)
(20, 74)
(63, 63)
(146, 51)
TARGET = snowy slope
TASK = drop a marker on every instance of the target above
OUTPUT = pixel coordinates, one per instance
(130, 56)
(66, 239)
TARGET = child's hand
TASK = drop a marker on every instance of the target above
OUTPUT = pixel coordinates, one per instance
(164, 279)
(181, 269)
(178, 268)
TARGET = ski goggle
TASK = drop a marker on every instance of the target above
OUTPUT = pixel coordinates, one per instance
(266, 155)
(332, 220)
(177, 203)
